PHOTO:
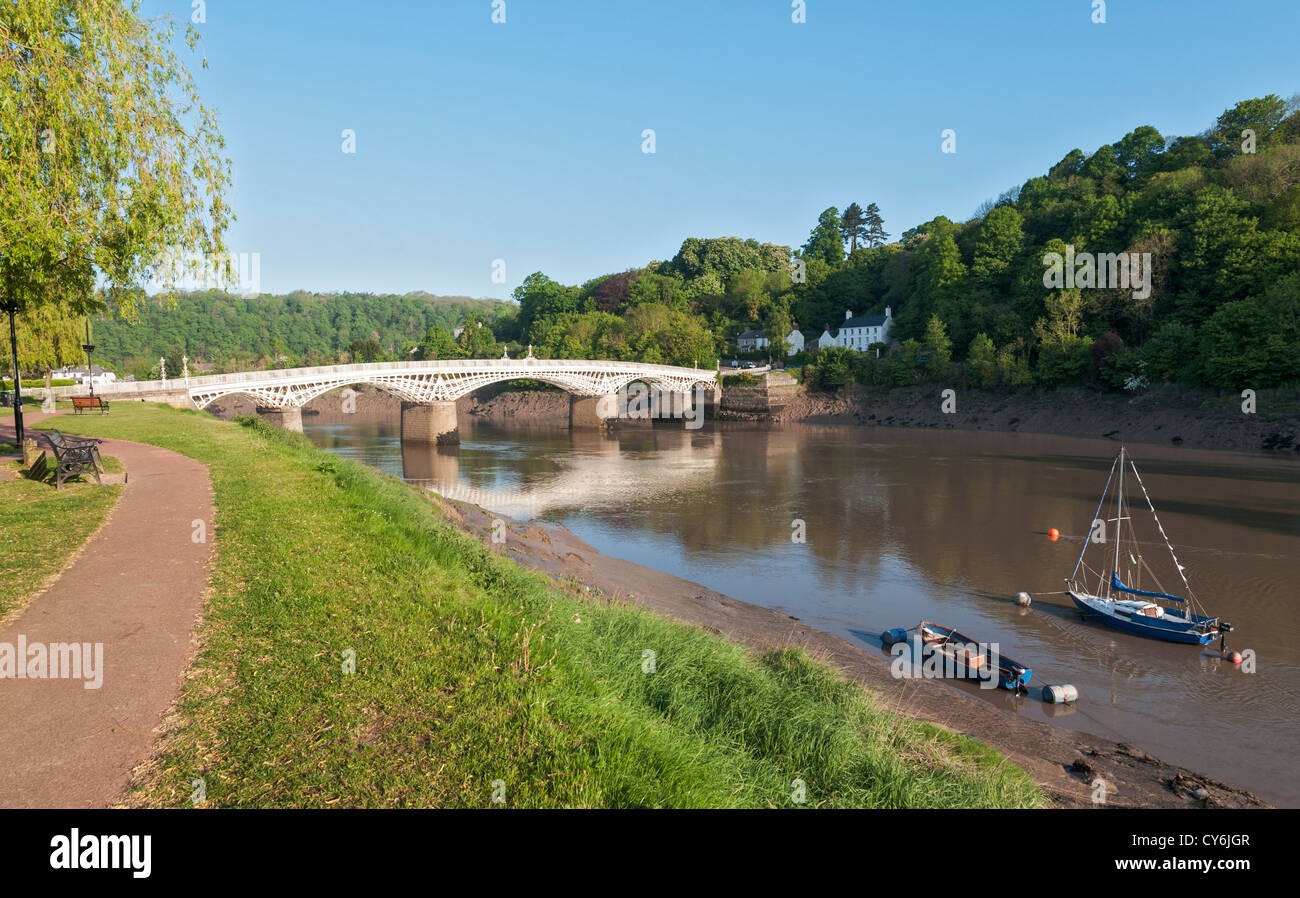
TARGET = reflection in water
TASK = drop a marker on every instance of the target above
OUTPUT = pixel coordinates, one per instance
(905, 525)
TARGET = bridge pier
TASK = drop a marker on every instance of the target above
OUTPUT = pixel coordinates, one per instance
(431, 422)
(288, 418)
(593, 412)
(680, 408)
(430, 463)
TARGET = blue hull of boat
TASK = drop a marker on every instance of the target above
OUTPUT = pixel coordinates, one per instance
(1167, 634)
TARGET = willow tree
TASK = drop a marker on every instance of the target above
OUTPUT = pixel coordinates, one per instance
(109, 163)
(49, 337)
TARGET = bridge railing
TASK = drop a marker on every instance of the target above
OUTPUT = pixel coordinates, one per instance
(327, 372)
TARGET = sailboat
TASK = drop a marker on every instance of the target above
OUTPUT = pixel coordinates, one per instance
(1112, 591)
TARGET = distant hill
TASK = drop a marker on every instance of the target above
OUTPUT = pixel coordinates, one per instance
(299, 328)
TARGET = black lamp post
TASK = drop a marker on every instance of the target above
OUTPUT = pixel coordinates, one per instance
(18, 384)
(89, 347)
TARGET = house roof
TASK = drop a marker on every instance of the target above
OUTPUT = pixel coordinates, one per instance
(865, 321)
(751, 334)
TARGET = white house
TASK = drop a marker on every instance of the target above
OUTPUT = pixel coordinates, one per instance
(751, 340)
(858, 333)
(100, 376)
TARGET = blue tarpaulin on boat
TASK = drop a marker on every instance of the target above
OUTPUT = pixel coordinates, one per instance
(1118, 584)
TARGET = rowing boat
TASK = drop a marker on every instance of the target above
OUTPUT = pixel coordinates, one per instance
(960, 656)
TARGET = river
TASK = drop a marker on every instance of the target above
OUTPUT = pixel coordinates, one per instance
(904, 525)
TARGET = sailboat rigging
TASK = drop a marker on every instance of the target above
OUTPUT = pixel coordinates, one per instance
(1108, 600)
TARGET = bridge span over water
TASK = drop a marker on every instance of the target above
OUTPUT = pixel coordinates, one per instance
(429, 390)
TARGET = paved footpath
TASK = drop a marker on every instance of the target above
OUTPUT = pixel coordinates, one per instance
(137, 587)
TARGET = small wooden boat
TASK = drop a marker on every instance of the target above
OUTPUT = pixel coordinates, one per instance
(1109, 599)
(960, 656)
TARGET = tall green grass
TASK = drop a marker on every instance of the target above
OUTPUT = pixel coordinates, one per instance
(476, 679)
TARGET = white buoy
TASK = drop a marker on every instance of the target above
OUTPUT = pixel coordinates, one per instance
(1058, 695)
(1022, 598)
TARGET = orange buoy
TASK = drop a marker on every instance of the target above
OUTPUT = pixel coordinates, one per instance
(1234, 657)
(1053, 534)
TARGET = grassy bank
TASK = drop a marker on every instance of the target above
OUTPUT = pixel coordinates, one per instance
(41, 527)
(473, 676)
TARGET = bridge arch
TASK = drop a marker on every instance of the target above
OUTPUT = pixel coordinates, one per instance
(436, 381)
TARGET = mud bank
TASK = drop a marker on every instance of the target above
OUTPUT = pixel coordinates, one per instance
(1169, 417)
(1066, 764)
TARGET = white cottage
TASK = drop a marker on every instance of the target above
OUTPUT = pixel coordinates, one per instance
(858, 333)
(752, 340)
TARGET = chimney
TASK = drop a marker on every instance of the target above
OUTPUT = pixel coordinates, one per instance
(888, 312)
(848, 314)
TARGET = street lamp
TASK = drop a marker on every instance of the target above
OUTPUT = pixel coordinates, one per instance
(89, 347)
(12, 309)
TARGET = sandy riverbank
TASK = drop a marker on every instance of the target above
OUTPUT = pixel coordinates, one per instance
(1065, 763)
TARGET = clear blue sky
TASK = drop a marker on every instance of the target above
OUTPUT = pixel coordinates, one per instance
(522, 141)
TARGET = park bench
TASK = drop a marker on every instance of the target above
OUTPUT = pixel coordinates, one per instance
(81, 403)
(72, 456)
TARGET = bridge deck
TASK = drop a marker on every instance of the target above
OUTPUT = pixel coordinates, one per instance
(432, 381)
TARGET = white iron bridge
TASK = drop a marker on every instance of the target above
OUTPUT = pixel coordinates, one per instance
(423, 382)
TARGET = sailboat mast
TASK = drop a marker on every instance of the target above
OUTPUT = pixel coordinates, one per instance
(1119, 507)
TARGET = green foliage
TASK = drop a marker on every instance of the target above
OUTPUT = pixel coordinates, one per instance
(875, 225)
(48, 336)
(1255, 343)
(853, 226)
(1263, 115)
(367, 349)
(110, 159)
(476, 340)
(438, 343)
(1221, 224)
(981, 362)
(7, 383)
(997, 243)
(236, 333)
(1013, 367)
(825, 242)
(937, 348)
(833, 368)
(541, 298)
(723, 257)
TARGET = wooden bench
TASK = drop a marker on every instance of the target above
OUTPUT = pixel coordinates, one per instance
(81, 403)
(73, 455)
